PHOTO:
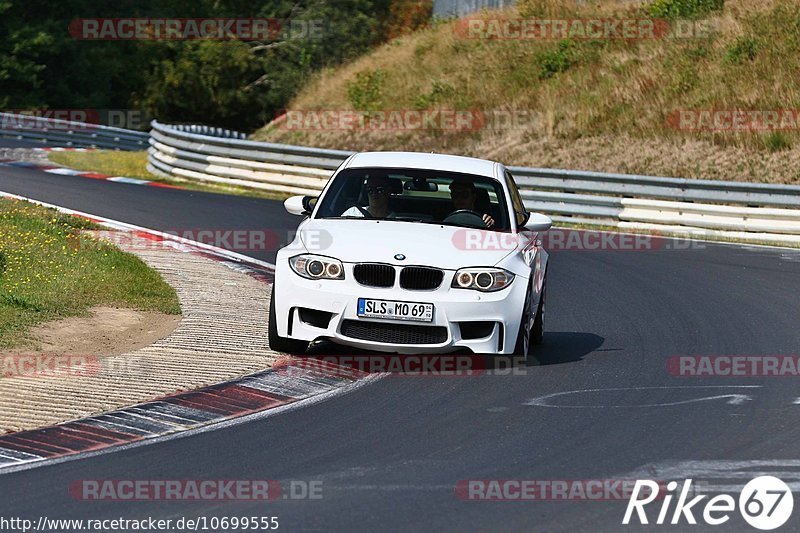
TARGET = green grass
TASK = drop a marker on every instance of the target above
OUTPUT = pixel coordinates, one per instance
(134, 165)
(683, 8)
(52, 270)
(112, 162)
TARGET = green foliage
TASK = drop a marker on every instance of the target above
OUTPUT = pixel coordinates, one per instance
(555, 60)
(365, 93)
(671, 9)
(744, 49)
(3, 263)
(239, 85)
(204, 80)
(777, 141)
(439, 90)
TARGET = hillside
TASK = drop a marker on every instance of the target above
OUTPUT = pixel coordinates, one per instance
(646, 104)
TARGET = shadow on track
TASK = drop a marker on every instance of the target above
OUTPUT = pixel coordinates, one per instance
(561, 347)
(558, 348)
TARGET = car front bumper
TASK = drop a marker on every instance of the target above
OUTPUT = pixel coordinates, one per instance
(337, 300)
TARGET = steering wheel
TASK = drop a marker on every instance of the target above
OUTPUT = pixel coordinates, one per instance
(466, 217)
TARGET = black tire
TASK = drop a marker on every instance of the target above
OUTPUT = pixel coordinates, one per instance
(534, 336)
(282, 344)
(537, 335)
(523, 347)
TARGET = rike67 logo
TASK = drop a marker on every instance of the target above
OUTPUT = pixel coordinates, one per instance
(765, 503)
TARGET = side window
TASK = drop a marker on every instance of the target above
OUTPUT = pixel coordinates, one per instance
(516, 199)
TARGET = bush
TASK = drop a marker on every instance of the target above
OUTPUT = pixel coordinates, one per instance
(3, 263)
(556, 60)
(365, 93)
(777, 141)
(745, 49)
(671, 9)
(235, 84)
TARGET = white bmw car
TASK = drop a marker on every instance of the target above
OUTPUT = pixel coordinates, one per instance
(413, 253)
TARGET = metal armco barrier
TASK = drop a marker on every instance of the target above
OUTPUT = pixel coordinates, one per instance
(226, 158)
(56, 132)
(738, 210)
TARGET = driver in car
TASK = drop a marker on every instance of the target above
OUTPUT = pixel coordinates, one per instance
(378, 195)
(464, 194)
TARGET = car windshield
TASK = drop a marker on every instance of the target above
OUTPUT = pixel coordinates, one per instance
(418, 196)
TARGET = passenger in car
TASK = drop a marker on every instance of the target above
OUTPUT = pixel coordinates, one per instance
(378, 190)
(464, 195)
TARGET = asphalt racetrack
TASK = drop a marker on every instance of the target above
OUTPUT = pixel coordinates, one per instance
(603, 404)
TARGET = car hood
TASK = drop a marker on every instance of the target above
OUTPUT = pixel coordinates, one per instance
(379, 241)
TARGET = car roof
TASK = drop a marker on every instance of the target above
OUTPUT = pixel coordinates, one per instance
(423, 160)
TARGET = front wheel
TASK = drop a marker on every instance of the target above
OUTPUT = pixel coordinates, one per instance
(531, 327)
(537, 335)
(282, 344)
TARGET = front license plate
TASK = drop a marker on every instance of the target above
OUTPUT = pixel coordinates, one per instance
(391, 309)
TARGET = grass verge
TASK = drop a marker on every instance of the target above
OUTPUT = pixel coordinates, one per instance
(49, 270)
(111, 162)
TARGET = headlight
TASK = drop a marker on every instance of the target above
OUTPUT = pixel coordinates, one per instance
(482, 279)
(317, 267)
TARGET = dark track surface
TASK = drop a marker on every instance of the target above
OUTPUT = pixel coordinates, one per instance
(161, 209)
(390, 453)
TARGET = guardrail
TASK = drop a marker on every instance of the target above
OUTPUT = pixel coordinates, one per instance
(56, 132)
(226, 159)
(744, 211)
(739, 210)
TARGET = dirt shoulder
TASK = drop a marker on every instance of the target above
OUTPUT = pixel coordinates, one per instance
(108, 331)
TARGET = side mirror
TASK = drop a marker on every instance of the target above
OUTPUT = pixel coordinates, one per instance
(538, 222)
(308, 203)
(299, 205)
